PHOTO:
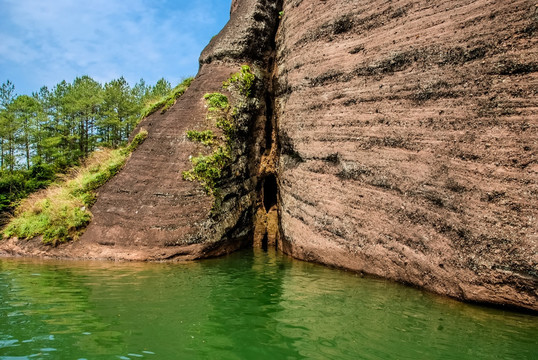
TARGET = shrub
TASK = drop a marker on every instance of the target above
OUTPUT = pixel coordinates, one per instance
(244, 80)
(207, 169)
(216, 101)
(227, 127)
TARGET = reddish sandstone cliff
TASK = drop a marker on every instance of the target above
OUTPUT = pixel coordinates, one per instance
(397, 138)
(409, 134)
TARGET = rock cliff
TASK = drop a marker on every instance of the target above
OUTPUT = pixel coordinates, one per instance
(397, 138)
(409, 142)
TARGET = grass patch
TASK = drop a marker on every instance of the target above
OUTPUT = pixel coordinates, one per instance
(207, 169)
(206, 137)
(167, 101)
(60, 212)
(216, 101)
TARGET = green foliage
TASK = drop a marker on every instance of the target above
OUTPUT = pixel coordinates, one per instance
(54, 129)
(216, 101)
(168, 104)
(17, 185)
(206, 137)
(244, 80)
(60, 213)
(121, 112)
(207, 169)
(165, 102)
(151, 108)
(137, 140)
(182, 87)
(58, 219)
(227, 127)
(161, 89)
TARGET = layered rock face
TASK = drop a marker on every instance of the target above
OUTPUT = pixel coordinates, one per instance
(397, 138)
(148, 211)
(409, 142)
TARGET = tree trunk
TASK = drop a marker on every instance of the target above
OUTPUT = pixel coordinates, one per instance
(27, 154)
(11, 155)
(2, 154)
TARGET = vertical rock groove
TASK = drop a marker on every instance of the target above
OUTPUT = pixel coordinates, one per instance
(267, 218)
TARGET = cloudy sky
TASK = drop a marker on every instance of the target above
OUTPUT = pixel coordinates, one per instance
(43, 42)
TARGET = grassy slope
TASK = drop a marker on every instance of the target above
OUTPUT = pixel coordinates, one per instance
(166, 102)
(60, 212)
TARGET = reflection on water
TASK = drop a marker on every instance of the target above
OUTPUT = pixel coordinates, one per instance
(250, 305)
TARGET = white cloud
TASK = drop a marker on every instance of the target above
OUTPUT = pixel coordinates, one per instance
(61, 39)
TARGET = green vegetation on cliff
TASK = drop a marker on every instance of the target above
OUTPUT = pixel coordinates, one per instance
(216, 102)
(206, 137)
(209, 169)
(166, 100)
(69, 169)
(243, 80)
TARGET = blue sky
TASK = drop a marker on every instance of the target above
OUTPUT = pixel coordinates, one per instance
(43, 42)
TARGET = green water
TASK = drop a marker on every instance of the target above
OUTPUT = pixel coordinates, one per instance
(250, 305)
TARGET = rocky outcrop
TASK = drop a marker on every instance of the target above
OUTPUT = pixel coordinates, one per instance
(396, 138)
(409, 142)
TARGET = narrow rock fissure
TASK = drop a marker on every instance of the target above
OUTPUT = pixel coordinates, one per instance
(264, 242)
(267, 221)
(269, 122)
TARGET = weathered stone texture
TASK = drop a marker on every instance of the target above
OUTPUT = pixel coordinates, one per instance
(409, 142)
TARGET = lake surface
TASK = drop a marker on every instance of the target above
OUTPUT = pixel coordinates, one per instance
(249, 305)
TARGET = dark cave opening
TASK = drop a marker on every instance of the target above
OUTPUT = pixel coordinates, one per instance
(270, 189)
(265, 242)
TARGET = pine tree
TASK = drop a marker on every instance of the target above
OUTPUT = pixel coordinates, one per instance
(7, 93)
(25, 110)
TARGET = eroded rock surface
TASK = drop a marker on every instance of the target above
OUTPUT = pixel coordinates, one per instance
(409, 142)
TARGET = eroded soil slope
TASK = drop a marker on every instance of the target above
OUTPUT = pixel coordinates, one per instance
(409, 134)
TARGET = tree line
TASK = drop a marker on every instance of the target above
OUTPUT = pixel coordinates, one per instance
(53, 129)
